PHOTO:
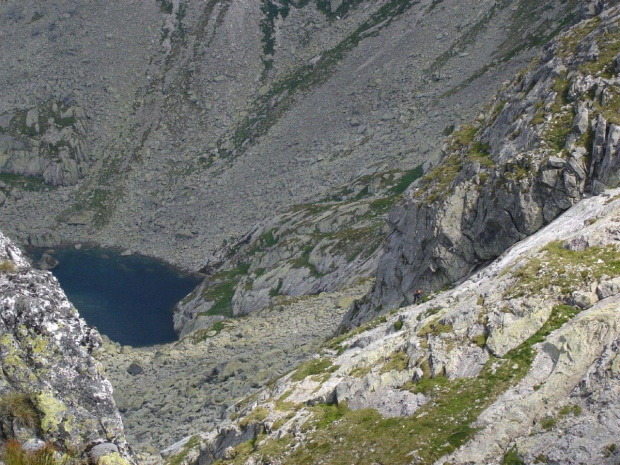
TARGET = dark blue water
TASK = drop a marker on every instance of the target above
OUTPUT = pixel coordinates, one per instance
(129, 299)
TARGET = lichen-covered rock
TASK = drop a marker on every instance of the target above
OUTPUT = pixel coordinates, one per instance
(47, 353)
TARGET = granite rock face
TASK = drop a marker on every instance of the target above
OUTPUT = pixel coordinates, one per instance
(47, 353)
(540, 373)
(549, 139)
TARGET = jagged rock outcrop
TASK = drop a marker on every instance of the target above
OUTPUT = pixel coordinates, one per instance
(550, 138)
(512, 364)
(52, 389)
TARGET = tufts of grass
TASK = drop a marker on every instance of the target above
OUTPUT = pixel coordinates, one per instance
(511, 457)
(256, 416)
(19, 406)
(317, 366)
(179, 458)
(397, 361)
(7, 266)
(438, 428)
(407, 180)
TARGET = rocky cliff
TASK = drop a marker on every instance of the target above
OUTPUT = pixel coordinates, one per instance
(549, 138)
(518, 364)
(52, 390)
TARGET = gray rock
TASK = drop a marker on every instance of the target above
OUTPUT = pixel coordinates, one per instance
(47, 262)
(135, 369)
(101, 450)
(608, 288)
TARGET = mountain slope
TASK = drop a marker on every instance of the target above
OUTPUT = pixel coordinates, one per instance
(548, 140)
(216, 114)
(511, 364)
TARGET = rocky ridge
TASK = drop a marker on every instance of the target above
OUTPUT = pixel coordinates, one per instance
(549, 138)
(52, 389)
(515, 363)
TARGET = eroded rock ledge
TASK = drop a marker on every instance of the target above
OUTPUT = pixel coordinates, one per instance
(52, 389)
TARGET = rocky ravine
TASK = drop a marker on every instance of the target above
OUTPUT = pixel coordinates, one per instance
(518, 363)
(166, 392)
(51, 386)
(550, 138)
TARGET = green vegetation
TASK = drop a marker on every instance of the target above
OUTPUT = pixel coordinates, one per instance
(221, 288)
(565, 269)
(511, 457)
(204, 334)
(7, 266)
(26, 183)
(256, 416)
(569, 42)
(611, 449)
(434, 185)
(548, 422)
(570, 410)
(398, 325)
(179, 458)
(408, 178)
(316, 366)
(609, 47)
(438, 428)
(265, 113)
(360, 371)
(336, 343)
(397, 361)
(479, 152)
(19, 406)
(434, 328)
(14, 454)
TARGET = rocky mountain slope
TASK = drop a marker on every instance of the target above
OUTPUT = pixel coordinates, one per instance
(163, 122)
(517, 364)
(264, 143)
(52, 390)
(550, 138)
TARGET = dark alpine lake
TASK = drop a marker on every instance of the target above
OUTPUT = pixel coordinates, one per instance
(127, 298)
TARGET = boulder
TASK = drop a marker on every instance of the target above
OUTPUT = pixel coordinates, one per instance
(47, 262)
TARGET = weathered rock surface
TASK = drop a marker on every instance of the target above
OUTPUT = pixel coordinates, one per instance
(48, 355)
(550, 138)
(562, 408)
(159, 131)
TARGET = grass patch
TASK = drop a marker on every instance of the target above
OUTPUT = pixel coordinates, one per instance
(221, 288)
(204, 334)
(317, 366)
(179, 458)
(256, 416)
(19, 406)
(14, 454)
(6, 267)
(397, 361)
(336, 343)
(25, 183)
(565, 269)
(511, 457)
(408, 178)
(434, 328)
